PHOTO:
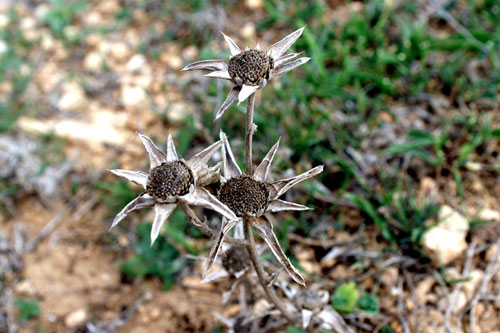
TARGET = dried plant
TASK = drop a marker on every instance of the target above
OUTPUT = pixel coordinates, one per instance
(249, 197)
(171, 181)
(251, 69)
(242, 199)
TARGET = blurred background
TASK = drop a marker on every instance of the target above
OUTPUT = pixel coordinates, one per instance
(399, 102)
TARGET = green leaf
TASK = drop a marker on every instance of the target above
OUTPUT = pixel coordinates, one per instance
(161, 260)
(368, 303)
(345, 297)
(28, 309)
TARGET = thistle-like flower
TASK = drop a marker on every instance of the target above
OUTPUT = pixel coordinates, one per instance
(249, 197)
(251, 69)
(172, 180)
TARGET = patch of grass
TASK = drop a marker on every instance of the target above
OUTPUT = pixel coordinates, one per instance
(28, 309)
(62, 14)
(15, 72)
(398, 216)
(116, 194)
(161, 260)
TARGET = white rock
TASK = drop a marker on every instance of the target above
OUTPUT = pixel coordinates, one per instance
(474, 279)
(76, 318)
(119, 51)
(136, 63)
(4, 21)
(489, 215)
(72, 99)
(458, 305)
(248, 31)
(71, 32)
(101, 127)
(133, 96)
(26, 287)
(443, 246)
(452, 220)
(27, 23)
(253, 4)
(423, 288)
(93, 18)
(3, 47)
(93, 62)
(446, 241)
(42, 10)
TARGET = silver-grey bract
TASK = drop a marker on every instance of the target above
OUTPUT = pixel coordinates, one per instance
(196, 194)
(258, 221)
(282, 63)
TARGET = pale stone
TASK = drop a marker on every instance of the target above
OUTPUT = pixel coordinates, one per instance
(73, 98)
(41, 11)
(443, 246)
(174, 61)
(136, 63)
(489, 215)
(423, 288)
(71, 32)
(190, 53)
(26, 287)
(108, 6)
(452, 274)
(390, 276)
(490, 253)
(48, 42)
(155, 313)
(27, 23)
(253, 4)
(103, 127)
(248, 31)
(446, 241)
(452, 220)
(3, 47)
(470, 286)
(93, 18)
(473, 166)
(4, 21)
(119, 51)
(93, 62)
(457, 306)
(76, 318)
(133, 96)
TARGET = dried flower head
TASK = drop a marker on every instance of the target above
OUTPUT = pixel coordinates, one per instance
(251, 69)
(249, 196)
(236, 260)
(172, 180)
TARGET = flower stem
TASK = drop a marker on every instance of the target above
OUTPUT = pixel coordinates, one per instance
(203, 226)
(250, 242)
(250, 129)
(262, 275)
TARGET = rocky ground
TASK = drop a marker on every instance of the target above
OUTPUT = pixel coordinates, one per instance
(97, 72)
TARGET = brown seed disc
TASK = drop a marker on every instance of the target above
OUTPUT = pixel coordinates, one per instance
(244, 195)
(168, 180)
(250, 66)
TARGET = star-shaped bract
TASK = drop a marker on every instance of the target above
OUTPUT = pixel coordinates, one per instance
(251, 69)
(172, 180)
(249, 206)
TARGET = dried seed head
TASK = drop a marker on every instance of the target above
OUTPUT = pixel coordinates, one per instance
(168, 180)
(250, 66)
(244, 195)
(236, 260)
